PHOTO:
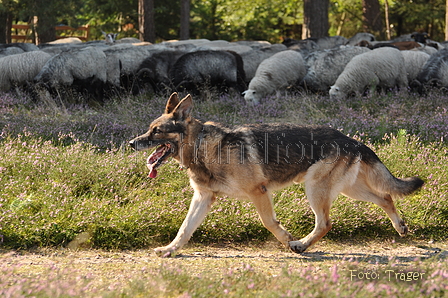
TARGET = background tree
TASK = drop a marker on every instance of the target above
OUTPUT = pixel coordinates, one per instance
(146, 21)
(372, 17)
(345, 18)
(167, 19)
(117, 16)
(184, 19)
(255, 20)
(47, 19)
(315, 18)
(269, 20)
(49, 13)
(4, 28)
(426, 15)
(208, 18)
(9, 9)
(446, 20)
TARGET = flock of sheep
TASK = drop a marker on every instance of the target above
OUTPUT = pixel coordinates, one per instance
(332, 65)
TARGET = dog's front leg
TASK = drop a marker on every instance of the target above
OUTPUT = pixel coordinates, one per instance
(200, 205)
(265, 209)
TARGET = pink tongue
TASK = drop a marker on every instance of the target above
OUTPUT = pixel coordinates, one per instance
(152, 173)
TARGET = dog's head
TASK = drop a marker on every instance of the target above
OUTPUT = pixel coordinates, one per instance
(166, 133)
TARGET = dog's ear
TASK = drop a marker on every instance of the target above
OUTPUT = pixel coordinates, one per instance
(172, 102)
(183, 109)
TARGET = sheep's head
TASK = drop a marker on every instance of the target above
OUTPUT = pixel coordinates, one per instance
(335, 92)
(420, 37)
(251, 96)
(110, 37)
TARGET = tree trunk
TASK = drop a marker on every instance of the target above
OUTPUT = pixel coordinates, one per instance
(45, 29)
(146, 24)
(341, 23)
(446, 20)
(386, 17)
(184, 19)
(3, 27)
(45, 20)
(8, 28)
(372, 18)
(315, 18)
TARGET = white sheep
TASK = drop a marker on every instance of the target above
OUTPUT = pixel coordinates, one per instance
(383, 67)
(414, 61)
(276, 72)
(16, 48)
(360, 36)
(87, 66)
(26, 47)
(66, 40)
(434, 73)
(430, 50)
(21, 68)
(324, 67)
(329, 42)
(255, 44)
(184, 45)
(253, 58)
(109, 38)
(123, 62)
(10, 51)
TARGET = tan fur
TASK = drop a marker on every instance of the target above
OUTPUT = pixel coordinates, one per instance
(217, 167)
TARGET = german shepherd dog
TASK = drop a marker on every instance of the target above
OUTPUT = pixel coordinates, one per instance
(251, 161)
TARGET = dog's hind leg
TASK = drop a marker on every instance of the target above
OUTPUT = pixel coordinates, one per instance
(320, 202)
(200, 205)
(263, 204)
(323, 182)
(362, 192)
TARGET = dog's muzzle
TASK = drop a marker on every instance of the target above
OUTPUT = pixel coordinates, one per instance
(132, 143)
(140, 144)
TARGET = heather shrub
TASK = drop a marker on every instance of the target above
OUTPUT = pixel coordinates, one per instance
(67, 175)
(112, 124)
(235, 277)
(52, 193)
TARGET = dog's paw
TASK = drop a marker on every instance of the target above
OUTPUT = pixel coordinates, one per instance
(297, 246)
(165, 252)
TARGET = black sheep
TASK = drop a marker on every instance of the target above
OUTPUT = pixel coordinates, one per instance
(195, 70)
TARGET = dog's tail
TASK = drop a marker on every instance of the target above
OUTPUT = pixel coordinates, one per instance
(382, 180)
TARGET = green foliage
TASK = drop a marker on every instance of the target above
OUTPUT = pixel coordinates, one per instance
(430, 162)
(52, 193)
(229, 19)
(167, 19)
(345, 17)
(57, 190)
(411, 16)
(240, 20)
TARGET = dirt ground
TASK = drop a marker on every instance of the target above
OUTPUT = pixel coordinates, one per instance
(114, 266)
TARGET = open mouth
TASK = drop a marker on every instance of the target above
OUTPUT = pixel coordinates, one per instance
(157, 158)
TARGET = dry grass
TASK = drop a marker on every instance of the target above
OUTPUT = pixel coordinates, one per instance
(59, 191)
(100, 273)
